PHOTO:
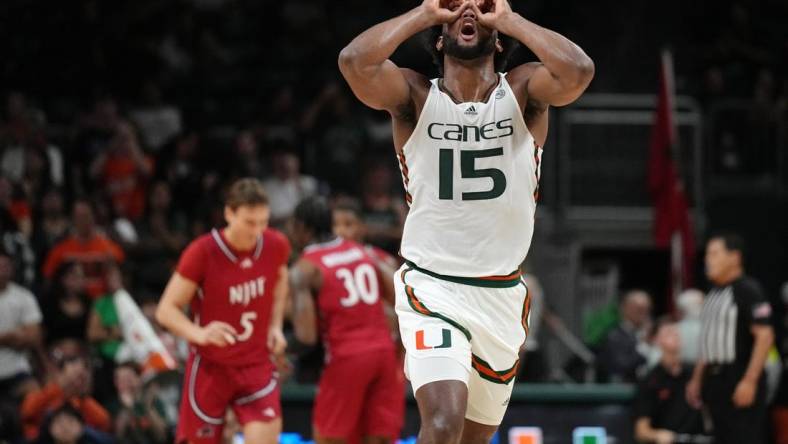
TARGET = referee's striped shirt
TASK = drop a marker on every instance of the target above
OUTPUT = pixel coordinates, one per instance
(718, 326)
(726, 320)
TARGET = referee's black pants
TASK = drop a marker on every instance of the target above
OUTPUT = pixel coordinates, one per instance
(733, 425)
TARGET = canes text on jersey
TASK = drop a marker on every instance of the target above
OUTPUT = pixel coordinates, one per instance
(473, 133)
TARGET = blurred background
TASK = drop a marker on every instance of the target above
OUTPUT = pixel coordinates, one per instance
(123, 122)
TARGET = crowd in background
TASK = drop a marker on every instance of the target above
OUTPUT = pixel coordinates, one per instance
(118, 138)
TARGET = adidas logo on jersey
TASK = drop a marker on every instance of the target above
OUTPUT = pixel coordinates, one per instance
(269, 412)
(471, 111)
(246, 263)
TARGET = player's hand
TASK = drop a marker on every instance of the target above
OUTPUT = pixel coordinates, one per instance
(744, 395)
(284, 367)
(444, 11)
(217, 333)
(693, 393)
(490, 13)
(662, 436)
(276, 341)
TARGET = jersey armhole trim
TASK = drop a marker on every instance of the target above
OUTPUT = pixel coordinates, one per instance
(520, 109)
(419, 125)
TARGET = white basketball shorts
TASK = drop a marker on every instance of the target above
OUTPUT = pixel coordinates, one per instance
(467, 329)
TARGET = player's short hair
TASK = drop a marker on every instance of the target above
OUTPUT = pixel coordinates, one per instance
(509, 45)
(732, 241)
(246, 192)
(131, 365)
(351, 206)
(315, 214)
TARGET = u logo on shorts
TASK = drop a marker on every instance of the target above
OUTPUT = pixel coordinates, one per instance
(445, 343)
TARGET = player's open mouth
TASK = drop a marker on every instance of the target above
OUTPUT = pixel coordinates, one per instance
(468, 30)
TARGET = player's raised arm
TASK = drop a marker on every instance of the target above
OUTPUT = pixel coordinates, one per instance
(565, 70)
(365, 63)
(177, 296)
(304, 279)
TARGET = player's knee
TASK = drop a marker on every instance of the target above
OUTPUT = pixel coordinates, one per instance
(477, 436)
(442, 427)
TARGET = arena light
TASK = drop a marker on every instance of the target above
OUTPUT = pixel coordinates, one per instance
(525, 435)
(589, 435)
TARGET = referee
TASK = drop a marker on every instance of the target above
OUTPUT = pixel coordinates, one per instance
(735, 340)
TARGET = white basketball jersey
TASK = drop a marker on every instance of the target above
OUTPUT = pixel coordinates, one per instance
(471, 175)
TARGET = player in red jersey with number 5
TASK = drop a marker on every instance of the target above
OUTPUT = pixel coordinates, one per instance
(235, 282)
(337, 287)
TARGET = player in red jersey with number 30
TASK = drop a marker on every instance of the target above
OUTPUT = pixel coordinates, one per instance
(235, 282)
(337, 287)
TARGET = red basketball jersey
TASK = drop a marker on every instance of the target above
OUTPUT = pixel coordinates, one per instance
(236, 287)
(351, 312)
(382, 255)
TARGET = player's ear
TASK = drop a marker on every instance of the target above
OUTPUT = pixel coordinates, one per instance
(498, 45)
(229, 214)
(439, 44)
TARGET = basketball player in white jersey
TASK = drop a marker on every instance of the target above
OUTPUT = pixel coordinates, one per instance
(469, 146)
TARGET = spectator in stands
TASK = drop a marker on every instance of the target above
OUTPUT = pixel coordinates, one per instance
(95, 130)
(248, 160)
(179, 165)
(661, 408)
(104, 333)
(71, 385)
(66, 305)
(336, 137)
(280, 117)
(139, 414)
(51, 225)
(87, 246)
(122, 171)
(16, 205)
(15, 241)
(383, 206)
(33, 162)
(16, 122)
(623, 354)
(162, 236)
(158, 121)
(66, 425)
(287, 186)
(690, 303)
(20, 333)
